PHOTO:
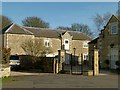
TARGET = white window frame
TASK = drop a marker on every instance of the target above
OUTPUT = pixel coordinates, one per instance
(111, 28)
(86, 56)
(85, 43)
(67, 43)
(46, 43)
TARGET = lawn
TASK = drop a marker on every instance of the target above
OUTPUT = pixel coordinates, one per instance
(5, 80)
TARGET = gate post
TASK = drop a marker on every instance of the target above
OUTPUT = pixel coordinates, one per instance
(81, 63)
(60, 60)
(96, 63)
(54, 66)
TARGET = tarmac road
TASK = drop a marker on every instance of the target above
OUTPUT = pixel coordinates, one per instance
(49, 80)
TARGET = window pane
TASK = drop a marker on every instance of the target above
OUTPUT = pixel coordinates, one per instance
(85, 45)
(66, 42)
(48, 44)
(12, 57)
(45, 43)
(114, 29)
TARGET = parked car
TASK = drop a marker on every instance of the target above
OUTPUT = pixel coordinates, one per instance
(14, 61)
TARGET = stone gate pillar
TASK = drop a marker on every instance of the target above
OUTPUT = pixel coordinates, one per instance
(61, 54)
(96, 63)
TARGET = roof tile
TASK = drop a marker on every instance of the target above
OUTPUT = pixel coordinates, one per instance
(46, 32)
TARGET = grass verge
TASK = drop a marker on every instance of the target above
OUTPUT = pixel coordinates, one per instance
(5, 80)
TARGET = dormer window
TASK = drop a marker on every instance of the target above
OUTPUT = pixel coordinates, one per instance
(114, 29)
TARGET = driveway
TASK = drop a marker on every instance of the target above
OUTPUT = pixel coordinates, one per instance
(47, 80)
(14, 73)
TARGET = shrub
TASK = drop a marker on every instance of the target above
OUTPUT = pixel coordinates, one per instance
(5, 55)
(107, 62)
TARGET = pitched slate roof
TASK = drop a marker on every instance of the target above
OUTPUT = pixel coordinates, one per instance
(78, 35)
(118, 17)
(15, 29)
(94, 41)
(52, 33)
(113, 16)
(4, 29)
(45, 32)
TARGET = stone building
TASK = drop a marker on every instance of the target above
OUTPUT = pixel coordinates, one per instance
(108, 44)
(15, 35)
(92, 46)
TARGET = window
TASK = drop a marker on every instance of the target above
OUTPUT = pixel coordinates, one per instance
(14, 57)
(85, 44)
(66, 41)
(46, 43)
(114, 29)
(66, 44)
(85, 56)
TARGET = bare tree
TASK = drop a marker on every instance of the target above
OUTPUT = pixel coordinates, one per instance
(64, 28)
(101, 20)
(35, 48)
(5, 55)
(118, 11)
(84, 28)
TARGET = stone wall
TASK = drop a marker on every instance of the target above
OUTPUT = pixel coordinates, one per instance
(78, 44)
(106, 40)
(69, 38)
(92, 47)
(55, 44)
(5, 72)
(14, 42)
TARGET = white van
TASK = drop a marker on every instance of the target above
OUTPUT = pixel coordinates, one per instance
(14, 60)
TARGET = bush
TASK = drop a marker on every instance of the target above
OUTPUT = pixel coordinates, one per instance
(5, 55)
(42, 63)
(107, 62)
(26, 62)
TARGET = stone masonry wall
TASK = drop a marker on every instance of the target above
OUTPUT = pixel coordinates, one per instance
(5, 72)
(14, 42)
(69, 37)
(55, 44)
(106, 41)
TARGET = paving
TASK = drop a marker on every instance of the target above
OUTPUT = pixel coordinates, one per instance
(50, 80)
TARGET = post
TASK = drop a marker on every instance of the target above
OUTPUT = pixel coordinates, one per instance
(54, 66)
(96, 63)
(81, 63)
(74, 55)
(57, 66)
(60, 54)
(71, 65)
(59, 60)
